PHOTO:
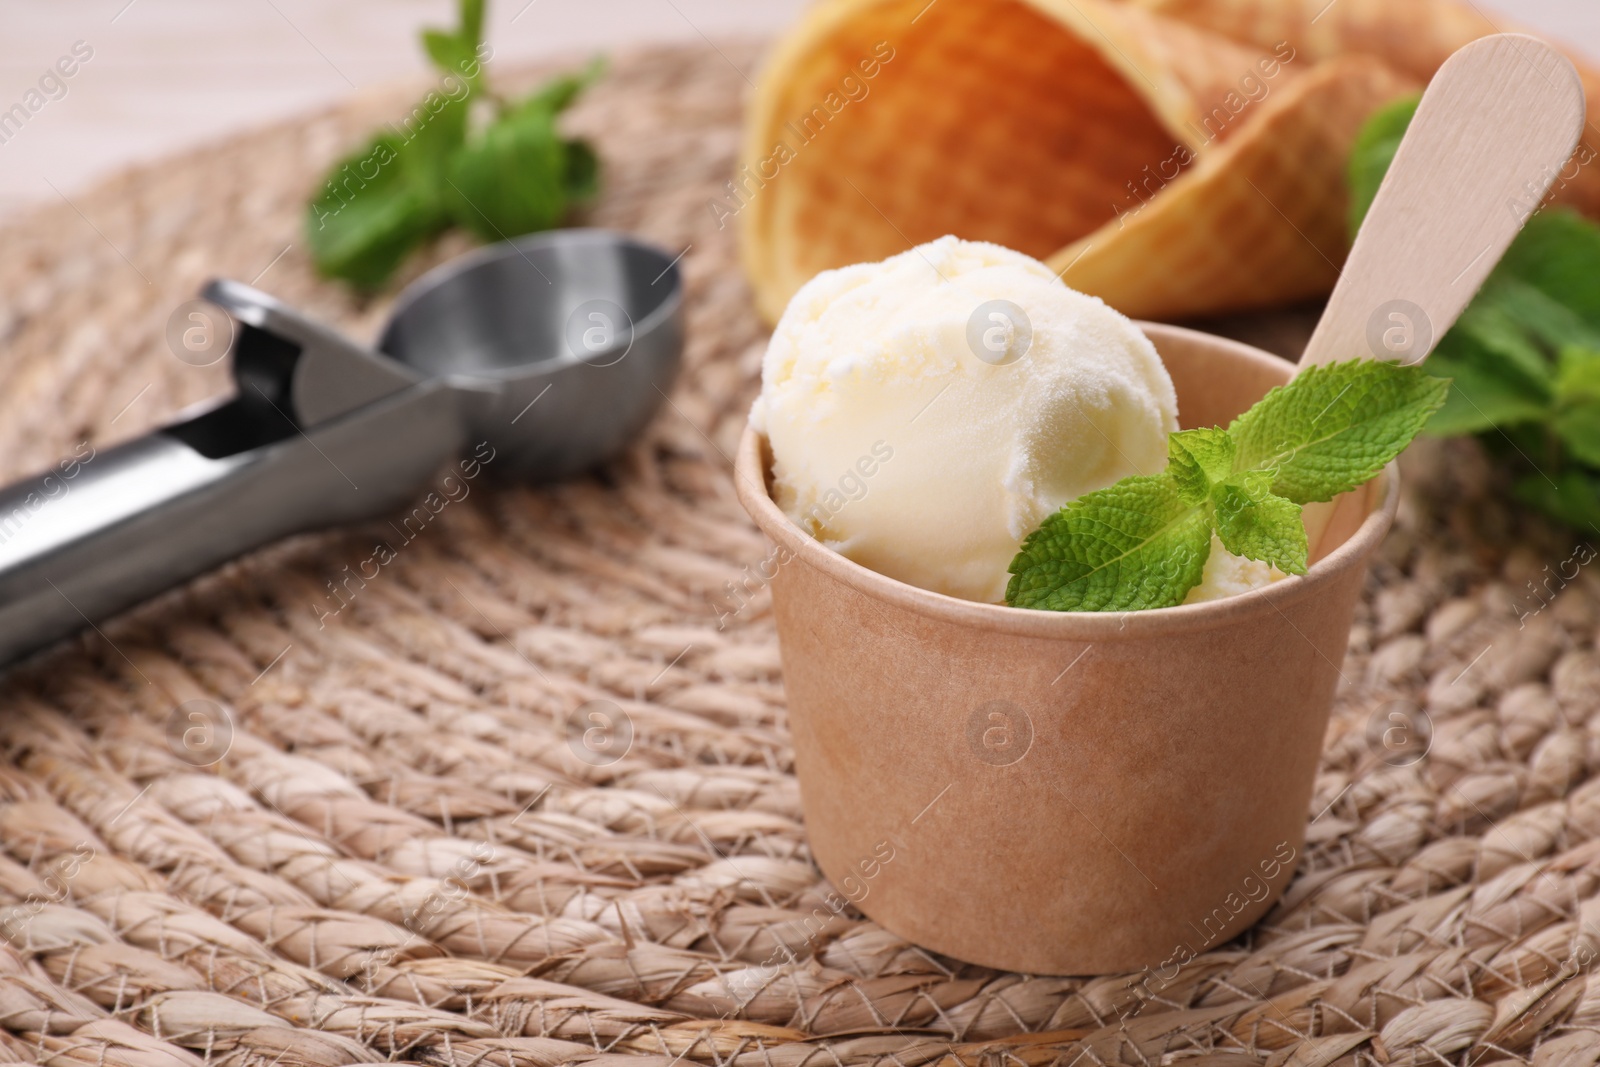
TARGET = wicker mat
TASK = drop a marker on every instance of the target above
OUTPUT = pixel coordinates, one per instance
(401, 856)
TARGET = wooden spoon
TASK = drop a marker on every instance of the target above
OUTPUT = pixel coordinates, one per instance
(1496, 126)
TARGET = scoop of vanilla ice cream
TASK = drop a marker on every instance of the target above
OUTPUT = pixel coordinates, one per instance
(927, 450)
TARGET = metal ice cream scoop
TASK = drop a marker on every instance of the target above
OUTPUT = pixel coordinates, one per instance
(323, 431)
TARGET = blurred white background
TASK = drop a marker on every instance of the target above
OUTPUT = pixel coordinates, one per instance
(167, 74)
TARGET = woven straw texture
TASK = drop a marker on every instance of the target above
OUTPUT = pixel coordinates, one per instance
(402, 857)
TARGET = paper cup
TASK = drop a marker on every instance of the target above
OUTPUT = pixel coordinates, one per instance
(1055, 792)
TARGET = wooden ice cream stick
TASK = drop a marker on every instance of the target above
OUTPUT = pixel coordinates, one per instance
(1496, 126)
(1493, 131)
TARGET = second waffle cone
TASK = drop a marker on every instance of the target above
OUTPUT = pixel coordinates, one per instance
(1414, 37)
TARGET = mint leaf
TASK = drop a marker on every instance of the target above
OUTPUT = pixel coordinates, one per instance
(1335, 426)
(1577, 420)
(369, 216)
(1137, 544)
(558, 94)
(449, 52)
(1578, 427)
(1484, 391)
(518, 175)
(1496, 358)
(582, 178)
(1254, 523)
(521, 175)
(456, 51)
(471, 16)
(434, 132)
(1499, 325)
(1545, 318)
(1572, 496)
(1558, 253)
(512, 180)
(1197, 459)
(1577, 374)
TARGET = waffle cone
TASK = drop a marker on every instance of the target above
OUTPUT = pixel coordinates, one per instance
(1261, 219)
(1412, 36)
(1056, 127)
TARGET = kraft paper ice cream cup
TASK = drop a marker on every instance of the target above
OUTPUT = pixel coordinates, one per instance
(1065, 793)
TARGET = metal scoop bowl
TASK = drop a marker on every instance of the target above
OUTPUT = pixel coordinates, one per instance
(592, 321)
(544, 355)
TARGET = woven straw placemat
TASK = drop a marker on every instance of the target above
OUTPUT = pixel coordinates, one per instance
(401, 855)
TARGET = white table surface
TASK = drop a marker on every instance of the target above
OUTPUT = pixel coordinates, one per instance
(167, 74)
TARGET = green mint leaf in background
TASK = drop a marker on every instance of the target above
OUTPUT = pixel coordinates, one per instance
(516, 176)
(1498, 323)
(582, 178)
(1578, 374)
(1558, 253)
(456, 51)
(1571, 496)
(1484, 392)
(381, 203)
(1137, 544)
(521, 175)
(471, 18)
(1497, 356)
(369, 216)
(1255, 523)
(1197, 459)
(1547, 319)
(512, 180)
(1578, 428)
(1577, 420)
(1335, 426)
(1372, 153)
(451, 53)
(432, 136)
(558, 94)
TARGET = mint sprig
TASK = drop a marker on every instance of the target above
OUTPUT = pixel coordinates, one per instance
(1143, 542)
(445, 164)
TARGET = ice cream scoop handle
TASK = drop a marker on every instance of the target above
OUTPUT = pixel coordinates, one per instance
(1496, 126)
(76, 543)
(107, 529)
